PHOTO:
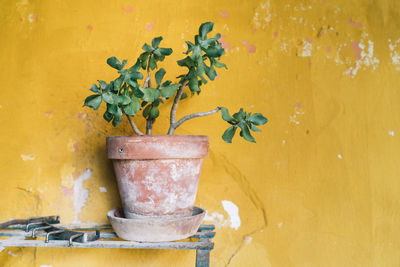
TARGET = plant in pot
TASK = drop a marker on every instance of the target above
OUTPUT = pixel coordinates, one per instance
(158, 175)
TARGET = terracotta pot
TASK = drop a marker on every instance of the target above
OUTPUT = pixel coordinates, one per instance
(157, 174)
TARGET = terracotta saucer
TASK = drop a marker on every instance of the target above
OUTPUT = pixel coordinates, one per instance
(155, 228)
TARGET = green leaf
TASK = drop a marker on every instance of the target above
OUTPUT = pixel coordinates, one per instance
(137, 92)
(258, 119)
(118, 82)
(108, 116)
(133, 107)
(225, 115)
(196, 53)
(152, 63)
(201, 67)
(136, 67)
(154, 112)
(124, 63)
(124, 99)
(116, 121)
(186, 62)
(165, 84)
(194, 85)
(146, 110)
(159, 76)
(114, 63)
(183, 96)
(229, 133)
(95, 89)
(254, 128)
(169, 90)
(147, 48)
(205, 28)
(108, 98)
(165, 51)
(143, 59)
(241, 115)
(156, 41)
(218, 64)
(214, 52)
(113, 109)
(93, 101)
(245, 133)
(211, 73)
(102, 84)
(150, 94)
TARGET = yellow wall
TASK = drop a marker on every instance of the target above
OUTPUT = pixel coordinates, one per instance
(320, 187)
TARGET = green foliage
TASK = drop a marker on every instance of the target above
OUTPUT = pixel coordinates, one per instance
(244, 121)
(202, 56)
(126, 95)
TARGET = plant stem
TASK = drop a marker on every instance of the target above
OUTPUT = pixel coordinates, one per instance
(149, 126)
(175, 106)
(147, 82)
(191, 116)
(133, 125)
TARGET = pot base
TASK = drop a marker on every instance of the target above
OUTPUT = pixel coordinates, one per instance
(155, 228)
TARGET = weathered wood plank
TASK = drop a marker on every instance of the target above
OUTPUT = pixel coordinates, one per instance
(107, 244)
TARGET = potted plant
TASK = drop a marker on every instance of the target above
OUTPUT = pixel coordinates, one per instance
(158, 175)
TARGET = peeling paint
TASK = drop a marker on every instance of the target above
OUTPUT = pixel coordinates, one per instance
(128, 9)
(355, 24)
(223, 14)
(306, 49)
(149, 26)
(102, 189)
(298, 111)
(394, 53)
(13, 254)
(391, 133)
(340, 156)
(216, 218)
(32, 18)
(364, 57)
(263, 15)
(27, 157)
(80, 194)
(233, 212)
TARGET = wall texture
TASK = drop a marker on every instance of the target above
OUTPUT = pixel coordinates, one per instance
(320, 187)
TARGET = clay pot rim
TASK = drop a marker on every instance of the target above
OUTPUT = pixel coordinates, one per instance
(134, 147)
(163, 218)
(184, 136)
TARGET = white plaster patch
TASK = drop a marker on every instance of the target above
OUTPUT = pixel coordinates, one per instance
(284, 47)
(283, 142)
(340, 156)
(394, 53)
(263, 15)
(247, 240)
(298, 112)
(12, 254)
(367, 58)
(233, 212)
(306, 49)
(44, 265)
(216, 218)
(102, 189)
(27, 157)
(280, 225)
(391, 133)
(80, 194)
